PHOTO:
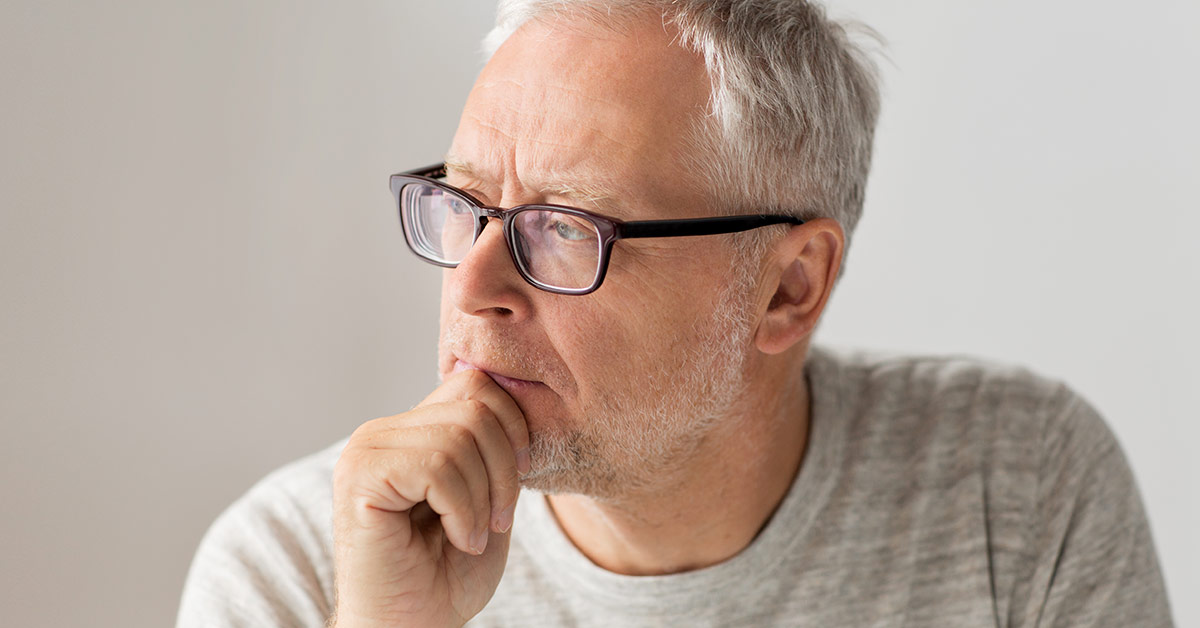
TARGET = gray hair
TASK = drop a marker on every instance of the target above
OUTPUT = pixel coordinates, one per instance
(793, 107)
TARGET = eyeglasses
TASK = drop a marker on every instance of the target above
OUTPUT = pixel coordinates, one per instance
(555, 248)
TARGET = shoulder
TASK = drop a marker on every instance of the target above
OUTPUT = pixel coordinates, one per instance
(999, 432)
(268, 557)
(937, 379)
(1020, 453)
(971, 400)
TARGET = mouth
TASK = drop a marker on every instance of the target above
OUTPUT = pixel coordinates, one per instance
(510, 384)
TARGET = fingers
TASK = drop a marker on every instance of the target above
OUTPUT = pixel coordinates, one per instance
(459, 490)
(461, 451)
(476, 384)
(459, 425)
(437, 464)
(416, 491)
(498, 458)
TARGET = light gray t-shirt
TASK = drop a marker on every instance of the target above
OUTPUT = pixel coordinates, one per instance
(934, 492)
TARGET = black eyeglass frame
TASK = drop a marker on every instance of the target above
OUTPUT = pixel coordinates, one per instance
(610, 229)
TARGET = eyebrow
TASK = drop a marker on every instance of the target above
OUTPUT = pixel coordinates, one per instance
(594, 192)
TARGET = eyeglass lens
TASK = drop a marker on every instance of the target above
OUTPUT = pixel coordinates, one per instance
(554, 248)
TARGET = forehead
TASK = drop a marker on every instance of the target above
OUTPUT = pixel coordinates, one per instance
(570, 105)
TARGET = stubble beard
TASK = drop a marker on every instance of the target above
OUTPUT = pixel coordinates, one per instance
(633, 439)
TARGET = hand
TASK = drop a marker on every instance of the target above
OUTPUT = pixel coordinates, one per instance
(422, 506)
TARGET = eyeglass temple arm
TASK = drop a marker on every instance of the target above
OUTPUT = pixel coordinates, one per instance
(700, 226)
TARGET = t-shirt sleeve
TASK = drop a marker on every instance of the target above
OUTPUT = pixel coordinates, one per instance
(262, 563)
(1093, 561)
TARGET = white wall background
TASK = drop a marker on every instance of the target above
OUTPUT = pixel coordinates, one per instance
(202, 277)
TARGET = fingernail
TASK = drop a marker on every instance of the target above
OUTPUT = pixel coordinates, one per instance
(479, 541)
(505, 520)
(523, 465)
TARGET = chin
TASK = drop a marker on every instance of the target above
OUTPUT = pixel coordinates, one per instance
(570, 463)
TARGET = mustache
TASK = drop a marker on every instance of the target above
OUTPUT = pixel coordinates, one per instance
(500, 352)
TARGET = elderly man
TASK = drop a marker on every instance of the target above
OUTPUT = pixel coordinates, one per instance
(642, 216)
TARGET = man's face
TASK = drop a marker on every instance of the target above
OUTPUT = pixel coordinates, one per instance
(621, 383)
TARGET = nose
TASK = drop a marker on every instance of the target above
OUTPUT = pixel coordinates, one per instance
(486, 282)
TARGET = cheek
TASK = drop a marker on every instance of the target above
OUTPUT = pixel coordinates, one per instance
(622, 341)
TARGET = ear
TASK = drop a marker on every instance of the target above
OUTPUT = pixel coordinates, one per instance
(799, 279)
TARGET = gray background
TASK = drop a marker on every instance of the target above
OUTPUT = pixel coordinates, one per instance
(203, 279)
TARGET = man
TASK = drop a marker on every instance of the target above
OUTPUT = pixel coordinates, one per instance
(614, 342)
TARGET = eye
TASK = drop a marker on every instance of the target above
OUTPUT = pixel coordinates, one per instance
(457, 206)
(569, 231)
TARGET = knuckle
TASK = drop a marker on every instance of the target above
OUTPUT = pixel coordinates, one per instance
(348, 463)
(439, 463)
(363, 431)
(476, 407)
(371, 430)
(476, 412)
(350, 470)
(459, 437)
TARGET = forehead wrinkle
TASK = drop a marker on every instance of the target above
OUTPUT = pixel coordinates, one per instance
(548, 155)
(594, 116)
(590, 190)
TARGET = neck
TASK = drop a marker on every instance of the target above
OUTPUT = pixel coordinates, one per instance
(722, 497)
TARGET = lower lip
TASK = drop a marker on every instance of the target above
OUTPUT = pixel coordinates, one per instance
(507, 383)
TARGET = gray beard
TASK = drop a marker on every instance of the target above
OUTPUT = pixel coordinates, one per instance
(635, 439)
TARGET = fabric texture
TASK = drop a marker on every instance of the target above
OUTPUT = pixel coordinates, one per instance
(934, 492)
